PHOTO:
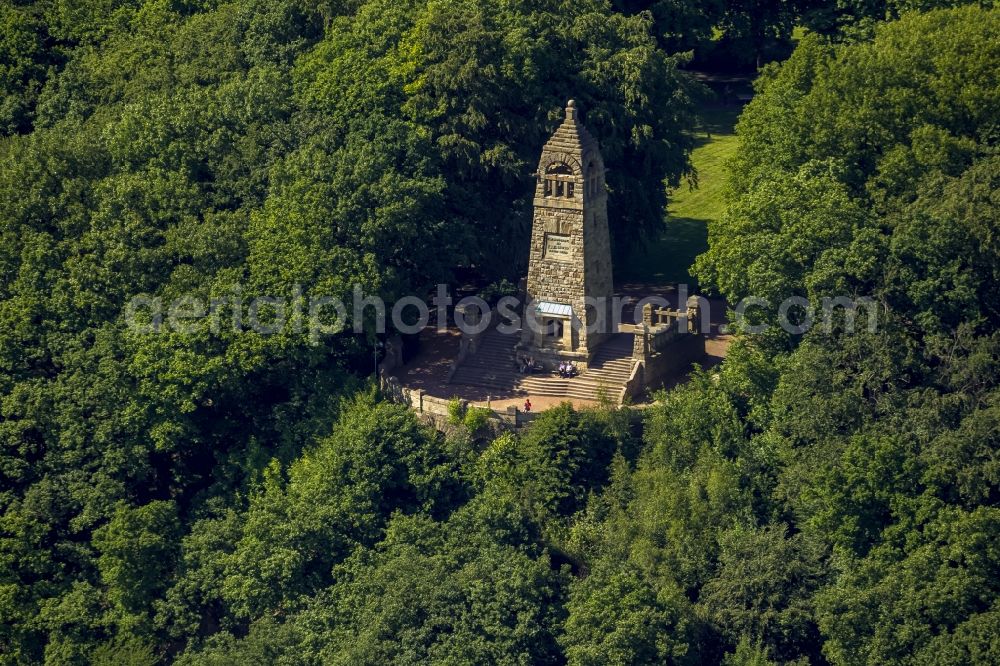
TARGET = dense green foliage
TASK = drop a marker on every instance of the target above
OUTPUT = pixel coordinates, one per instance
(871, 170)
(219, 148)
(223, 496)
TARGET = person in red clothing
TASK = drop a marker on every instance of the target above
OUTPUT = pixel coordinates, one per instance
(527, 405)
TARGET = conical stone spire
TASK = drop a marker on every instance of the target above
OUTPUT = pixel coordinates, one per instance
(571, 136)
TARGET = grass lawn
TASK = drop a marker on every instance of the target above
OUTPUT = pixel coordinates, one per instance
(668, 258)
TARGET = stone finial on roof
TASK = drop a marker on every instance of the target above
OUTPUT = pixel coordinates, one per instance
(571, 137)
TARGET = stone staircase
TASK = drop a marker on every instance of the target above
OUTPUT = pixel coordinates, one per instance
(609, 370)
(493, 367)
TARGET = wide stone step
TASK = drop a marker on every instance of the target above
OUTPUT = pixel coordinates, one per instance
(476, 378)
(508, 353)
(500, 384)
(601, 362)
(610, 367)
(607, 377)
(583, 386)
(492, 365)
(490, 356)
(495, 351)
(594, 396)
(487, 370)
(615, 347)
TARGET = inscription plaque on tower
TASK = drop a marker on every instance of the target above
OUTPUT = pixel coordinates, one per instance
(557, 246)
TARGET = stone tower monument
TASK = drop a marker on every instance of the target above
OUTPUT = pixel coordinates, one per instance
(569, 287)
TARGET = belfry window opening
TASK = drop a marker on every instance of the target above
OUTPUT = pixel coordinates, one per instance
(559, 182)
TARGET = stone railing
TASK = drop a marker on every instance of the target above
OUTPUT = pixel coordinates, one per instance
(438, 410)
(393, 357)
(390, 386)
(662, 327)
(463, 353)
(665, 343)
(636, 383)
(690, 319)
(649, 342)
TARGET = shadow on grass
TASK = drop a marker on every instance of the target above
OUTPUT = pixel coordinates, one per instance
(668, 259)
(716, 121)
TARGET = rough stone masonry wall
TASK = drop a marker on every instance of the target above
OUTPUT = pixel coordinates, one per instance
(437, 411)
(585, 271)
(598, 271)
(674, 360)
(559, 281)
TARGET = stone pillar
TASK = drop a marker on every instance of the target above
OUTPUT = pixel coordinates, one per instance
(640, 346)
(469, 315)
(694, 314)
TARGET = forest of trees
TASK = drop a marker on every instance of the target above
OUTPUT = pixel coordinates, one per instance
(224, 497)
